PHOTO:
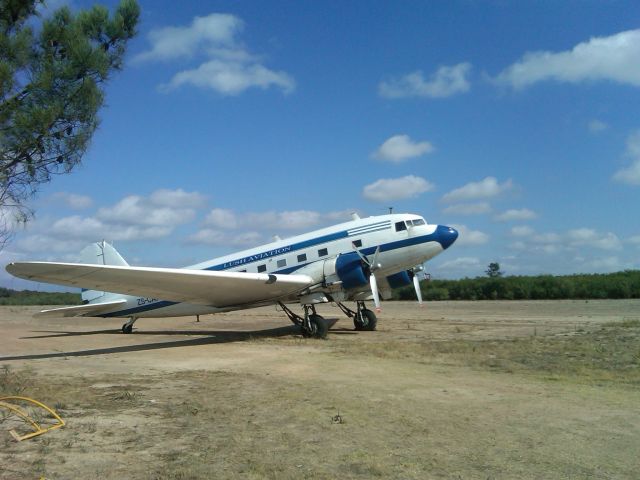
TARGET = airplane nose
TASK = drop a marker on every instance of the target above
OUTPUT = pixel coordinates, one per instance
(445, 236)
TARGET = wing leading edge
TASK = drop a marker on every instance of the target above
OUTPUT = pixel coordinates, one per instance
(202, 287)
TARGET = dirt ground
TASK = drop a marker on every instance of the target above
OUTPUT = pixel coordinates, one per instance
(464, 390)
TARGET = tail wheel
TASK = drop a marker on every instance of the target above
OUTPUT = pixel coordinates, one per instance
(365, 320)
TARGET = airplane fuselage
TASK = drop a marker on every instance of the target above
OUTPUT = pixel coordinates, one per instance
(399, 242)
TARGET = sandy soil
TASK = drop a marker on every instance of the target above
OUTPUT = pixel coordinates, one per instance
(243, 395)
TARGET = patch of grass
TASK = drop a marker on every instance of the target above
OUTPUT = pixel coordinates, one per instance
(13, 382)
(625, 323)
(609, 354)
(125, 396)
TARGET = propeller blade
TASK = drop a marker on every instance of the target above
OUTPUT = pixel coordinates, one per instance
(416, 285)
(374, 289)
(362, 257)
(374, 263)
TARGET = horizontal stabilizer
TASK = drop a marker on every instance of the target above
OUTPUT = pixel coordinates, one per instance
(88, 310)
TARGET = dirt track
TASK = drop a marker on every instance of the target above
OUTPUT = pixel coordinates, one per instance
(241, 395)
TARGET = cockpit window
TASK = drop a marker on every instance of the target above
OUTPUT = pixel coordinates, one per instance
(418, 222)
(400, 226)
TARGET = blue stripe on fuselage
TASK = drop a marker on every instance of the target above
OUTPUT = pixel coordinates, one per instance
(290, 248)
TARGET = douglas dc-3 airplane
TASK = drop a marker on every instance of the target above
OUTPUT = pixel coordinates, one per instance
(359, 260)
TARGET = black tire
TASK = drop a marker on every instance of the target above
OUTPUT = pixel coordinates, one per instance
(127, 328)
(365, 320)
(319, 328)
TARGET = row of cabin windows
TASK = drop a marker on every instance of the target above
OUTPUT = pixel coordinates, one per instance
(322, 252)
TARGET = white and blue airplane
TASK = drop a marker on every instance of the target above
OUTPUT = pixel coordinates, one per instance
(359, 260)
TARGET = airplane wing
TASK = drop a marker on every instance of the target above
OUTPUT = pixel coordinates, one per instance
(88, 310)
(203, 287)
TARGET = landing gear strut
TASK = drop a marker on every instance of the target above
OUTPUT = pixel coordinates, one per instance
(312, 325)
(363, 318)
(128, 327)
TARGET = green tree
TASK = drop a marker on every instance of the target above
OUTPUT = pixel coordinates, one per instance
(52, 75)
(493, 271)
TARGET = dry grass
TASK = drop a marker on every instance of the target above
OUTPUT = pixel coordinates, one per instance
(406, 402)
(605, 354)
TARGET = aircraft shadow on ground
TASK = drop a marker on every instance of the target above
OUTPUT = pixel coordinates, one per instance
(205, 338)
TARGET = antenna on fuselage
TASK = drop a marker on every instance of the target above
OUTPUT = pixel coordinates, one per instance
(390, 210)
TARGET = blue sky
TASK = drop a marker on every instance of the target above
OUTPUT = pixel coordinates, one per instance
(516, 122)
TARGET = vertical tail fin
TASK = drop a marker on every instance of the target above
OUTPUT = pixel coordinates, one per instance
(99, 253)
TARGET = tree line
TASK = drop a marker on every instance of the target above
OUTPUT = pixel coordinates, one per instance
(617, 285)
(542, 287)
(29, 297)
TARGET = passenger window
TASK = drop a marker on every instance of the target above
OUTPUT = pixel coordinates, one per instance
(323, 252)
(282, 263)
(262, 268)
(302, 257)
(400, 226)
(357, 243)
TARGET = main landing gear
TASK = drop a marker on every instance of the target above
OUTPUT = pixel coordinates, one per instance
(363, 318)
(316, 326)
(128, 327)
(312, 325)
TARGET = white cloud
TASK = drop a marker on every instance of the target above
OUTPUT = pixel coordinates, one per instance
(466, 236)
(486, 188)
(228, 67)
(177, 198)
(606, 264)
(635, 240)
(388, 189)
(131, 219)
(518, 245)
(579, 239)
(460, 263)
(136, 210)
(522, 231)
(445, 82)
(401, 147)
(209, 236)
(588, 237)
(631, 174)
(597, 126)
(516, 214)
(548, 238)
(44, 245)
(288, 220)
(74, 201)
(91, 229)
(221, 218)
(615, 58)
(468, 209)
(216, 30)
(230, 78)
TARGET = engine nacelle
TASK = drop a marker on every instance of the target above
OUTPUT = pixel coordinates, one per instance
(346, 268)
(399, 279)
(350, 270)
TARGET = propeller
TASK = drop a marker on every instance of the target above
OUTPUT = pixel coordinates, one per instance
(415, 274)
(374, 289)
(372, 266)
(416, 285)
